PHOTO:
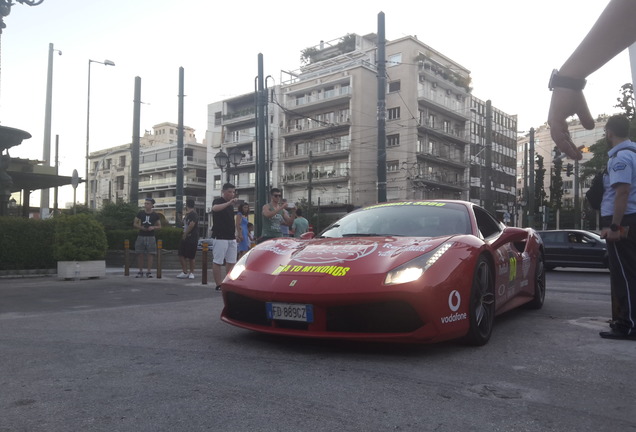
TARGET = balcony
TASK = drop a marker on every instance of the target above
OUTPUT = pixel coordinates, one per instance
(171, 183)
(318, 176)
(313, 126)
(458, 136)
(441, 102)
(441, 180)
(442, 159)
(318, 100)
(245, 115)
(333, 147)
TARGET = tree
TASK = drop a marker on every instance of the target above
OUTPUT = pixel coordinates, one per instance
(117, 216)
(539, 190)
(626, 101)
(556, 183)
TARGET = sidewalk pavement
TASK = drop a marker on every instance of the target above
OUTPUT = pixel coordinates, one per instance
(112, 273)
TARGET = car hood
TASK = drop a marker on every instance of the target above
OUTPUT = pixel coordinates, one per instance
(348, 255)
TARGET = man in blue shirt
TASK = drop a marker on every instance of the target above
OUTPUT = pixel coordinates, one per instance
(618, 217)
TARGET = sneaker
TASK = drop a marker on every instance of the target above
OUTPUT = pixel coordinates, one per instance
(140, 275)
(148, 275)
(182, 275)
(191, 276)
(218, 288)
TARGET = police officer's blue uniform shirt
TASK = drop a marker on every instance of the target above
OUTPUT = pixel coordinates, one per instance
(620, 169)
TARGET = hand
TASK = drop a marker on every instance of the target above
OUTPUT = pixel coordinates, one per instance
(565, 103)
(610, 235)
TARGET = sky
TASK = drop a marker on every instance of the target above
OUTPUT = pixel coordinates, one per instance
(510, 47)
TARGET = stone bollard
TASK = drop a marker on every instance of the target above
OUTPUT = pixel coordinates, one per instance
(159, 249)
(204, 263)
(126, 258)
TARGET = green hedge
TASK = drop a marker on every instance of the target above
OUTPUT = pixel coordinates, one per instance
(26, 244)
(78, 238)
(38, 244)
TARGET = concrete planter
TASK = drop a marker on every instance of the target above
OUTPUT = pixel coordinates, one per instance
(81, 269)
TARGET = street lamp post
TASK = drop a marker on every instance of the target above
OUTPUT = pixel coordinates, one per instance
(46, 156)
(88, 118)
(223, 161)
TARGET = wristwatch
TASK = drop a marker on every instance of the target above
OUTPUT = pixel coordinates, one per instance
(613, 227)
(557, 80)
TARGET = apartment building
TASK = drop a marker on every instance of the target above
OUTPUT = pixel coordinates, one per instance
(503, 165)
(323, 124)
(110, 171)
(544, 146)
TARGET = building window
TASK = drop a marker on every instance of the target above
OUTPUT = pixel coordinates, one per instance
(393, 140)
(394, 113)
(447, 126)
(431, 121)
(122, 161)
(217, 118)
(120, 182)
(394, 60)
(394, 86)
(393, 166)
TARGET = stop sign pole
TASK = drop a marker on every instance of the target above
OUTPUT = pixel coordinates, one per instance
(75, 182)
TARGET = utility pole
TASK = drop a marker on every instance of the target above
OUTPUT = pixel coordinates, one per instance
(531, 199)
(309, 188)
(261, 192)
(381, 110)
(134, 163)
(179, 193)
(577, 204)
(489, 201)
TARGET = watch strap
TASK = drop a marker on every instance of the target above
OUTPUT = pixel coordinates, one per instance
(561, 81)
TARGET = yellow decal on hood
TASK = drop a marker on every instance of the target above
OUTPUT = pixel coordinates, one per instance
(331, 270)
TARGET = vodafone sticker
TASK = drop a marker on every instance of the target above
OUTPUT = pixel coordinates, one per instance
(454, 300)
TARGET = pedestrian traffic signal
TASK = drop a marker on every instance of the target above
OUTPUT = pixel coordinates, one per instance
(569, 169)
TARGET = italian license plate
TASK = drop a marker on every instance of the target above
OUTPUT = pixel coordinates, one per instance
(290, 312)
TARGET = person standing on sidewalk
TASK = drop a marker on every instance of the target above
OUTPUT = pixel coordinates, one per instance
(274, 215)
(618, 217)
(147, 222)
(300, 225)
(242, 234)
(189, 240)
(224, 247)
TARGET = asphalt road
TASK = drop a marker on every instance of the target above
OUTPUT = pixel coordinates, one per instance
(126, 354)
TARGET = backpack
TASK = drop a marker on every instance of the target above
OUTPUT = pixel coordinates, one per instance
(594, 194)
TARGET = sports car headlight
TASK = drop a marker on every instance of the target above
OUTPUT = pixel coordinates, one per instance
(414, 269)
(239, 267)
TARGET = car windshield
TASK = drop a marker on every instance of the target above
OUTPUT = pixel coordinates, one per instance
(416, 219)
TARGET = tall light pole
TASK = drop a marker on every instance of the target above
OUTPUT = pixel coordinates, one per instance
(223, 161)
(46, 155)
(88, 118)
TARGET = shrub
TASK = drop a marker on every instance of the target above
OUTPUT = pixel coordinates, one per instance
(79, 238)
(26, 243)
(117, 216)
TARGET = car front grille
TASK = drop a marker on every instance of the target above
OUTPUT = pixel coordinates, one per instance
(378, 317)
(383, 317)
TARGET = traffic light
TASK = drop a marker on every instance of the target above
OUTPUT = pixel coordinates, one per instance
(569, 169)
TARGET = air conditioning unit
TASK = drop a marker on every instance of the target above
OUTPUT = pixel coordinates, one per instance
(566, 191)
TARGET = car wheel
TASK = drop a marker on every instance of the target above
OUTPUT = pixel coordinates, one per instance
(482, 304)
(539, 285)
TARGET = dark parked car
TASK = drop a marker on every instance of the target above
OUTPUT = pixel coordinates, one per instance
(573, 248)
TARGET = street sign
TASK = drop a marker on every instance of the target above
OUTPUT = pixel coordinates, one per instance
(75, 179)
